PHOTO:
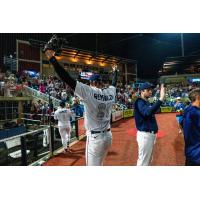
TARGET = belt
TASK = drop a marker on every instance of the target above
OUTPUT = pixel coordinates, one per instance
(93, 132)
(153, 132)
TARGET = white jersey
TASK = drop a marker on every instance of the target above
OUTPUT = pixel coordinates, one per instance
(98, 105)
(63, 116)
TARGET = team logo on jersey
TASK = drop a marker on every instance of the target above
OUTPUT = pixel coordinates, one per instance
(101, 110)
(103, 97)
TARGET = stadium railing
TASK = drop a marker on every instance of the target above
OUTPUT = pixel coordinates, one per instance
(39, 95)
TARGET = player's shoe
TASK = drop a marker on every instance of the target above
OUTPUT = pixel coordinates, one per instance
(68, 150)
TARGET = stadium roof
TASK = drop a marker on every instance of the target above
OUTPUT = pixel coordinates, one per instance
(149, 49)
(86, 54)
(186, 64)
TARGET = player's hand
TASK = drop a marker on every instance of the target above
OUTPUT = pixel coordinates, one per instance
(162, 92)
(114, 67)
(49, 54)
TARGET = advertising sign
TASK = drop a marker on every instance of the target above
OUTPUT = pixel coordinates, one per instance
(128, 113)
(117, 115)
(166, 109)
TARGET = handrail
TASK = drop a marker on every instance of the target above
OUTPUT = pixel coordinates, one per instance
(39, 95)
(24, 134)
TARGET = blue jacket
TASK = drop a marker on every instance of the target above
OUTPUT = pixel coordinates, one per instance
(144, 115)
(78, 109)
(179, 106)
(191, 129)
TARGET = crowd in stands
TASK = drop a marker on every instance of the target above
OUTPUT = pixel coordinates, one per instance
(174, 93)
(126, 95)
(11, 85)
(51, 86)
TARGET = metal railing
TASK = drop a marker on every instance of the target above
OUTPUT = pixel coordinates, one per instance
(39, 95)
(18, 145)
(34, 145)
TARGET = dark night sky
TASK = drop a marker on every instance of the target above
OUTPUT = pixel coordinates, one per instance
(149, 49)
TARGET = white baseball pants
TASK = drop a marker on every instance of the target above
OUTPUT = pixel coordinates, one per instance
(97, 146)
(146, 141)
(65, 135)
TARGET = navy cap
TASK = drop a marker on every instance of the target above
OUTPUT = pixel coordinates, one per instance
(95, 77)
(62, 103)
(146, 86)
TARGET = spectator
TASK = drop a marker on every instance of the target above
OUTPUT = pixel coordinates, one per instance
(77, 108)
(64, 95)
(179, 107)
(42, 87)
(2, 86)
(53, 93)
(179, 104)
(7, 87)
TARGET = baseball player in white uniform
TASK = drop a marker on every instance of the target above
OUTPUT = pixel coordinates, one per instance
(98, 103)
(63, 115)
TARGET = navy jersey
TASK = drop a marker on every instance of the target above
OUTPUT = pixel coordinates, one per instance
(191, 127)
(145, 115)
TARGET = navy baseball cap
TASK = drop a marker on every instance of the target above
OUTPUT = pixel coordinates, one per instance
(95, 77)
(62, 103)
(146, 86)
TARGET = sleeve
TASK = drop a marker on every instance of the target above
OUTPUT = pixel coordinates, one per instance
(64, 75)
(187, 123)
(146, 110)
(181, 121)
(55, 116)
(183, 106)
(196, 119)
(113, 89)
(82, 90)
(72, 115)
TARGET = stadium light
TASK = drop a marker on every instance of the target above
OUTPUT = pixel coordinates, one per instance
(75, 59)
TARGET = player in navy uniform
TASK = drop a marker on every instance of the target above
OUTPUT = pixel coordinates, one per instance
(98, 102)
(191, 129)
(146, 123)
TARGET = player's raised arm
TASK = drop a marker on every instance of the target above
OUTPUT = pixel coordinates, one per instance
(162, 92)
(115, 75)
(64, 75)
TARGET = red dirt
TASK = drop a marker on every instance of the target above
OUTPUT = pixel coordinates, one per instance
(168, 151)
